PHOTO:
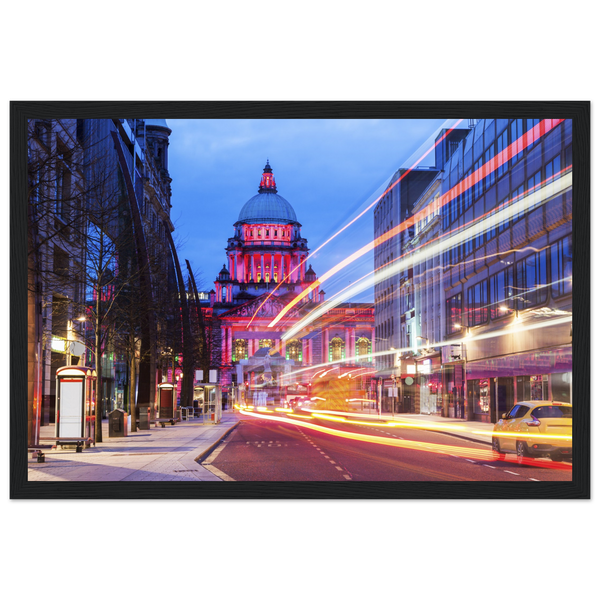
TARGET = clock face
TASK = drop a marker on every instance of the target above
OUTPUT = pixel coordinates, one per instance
(409, 381)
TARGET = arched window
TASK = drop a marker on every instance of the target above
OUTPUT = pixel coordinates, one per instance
(266, 343)
(337, 350)
(363, 348)
(293, 350)
(240, 350)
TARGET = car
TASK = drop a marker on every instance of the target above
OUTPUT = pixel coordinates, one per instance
(302, 403)
(524, 429)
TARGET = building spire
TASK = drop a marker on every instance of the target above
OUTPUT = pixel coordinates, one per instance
(267, 181)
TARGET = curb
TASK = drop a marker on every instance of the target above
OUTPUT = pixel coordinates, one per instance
(210, 448)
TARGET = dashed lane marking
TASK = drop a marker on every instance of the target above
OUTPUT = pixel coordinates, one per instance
(511, 472)
(532, 479)
(339, 468)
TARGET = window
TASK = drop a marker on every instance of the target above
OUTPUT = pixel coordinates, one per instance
(62, 191)
(363, 348)
(561, 267)
(293, 350)
(502, 144)
(517, 412)
(551, 171)
(501, 293)
(531, 123)
(453, 313)
(468, 247)
(446, 216)
(531, 280)
(479, 237)
(516, 131)
(552, 412)
(477, 304)
(468, 194)
(517, 197)
(503, 207)
(490, 170)
(336, 349)
(492, 229)
(533, 184)
(266, 343)
(240, 350)
(478, 187)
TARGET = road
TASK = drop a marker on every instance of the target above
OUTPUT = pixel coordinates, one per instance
(274, 450)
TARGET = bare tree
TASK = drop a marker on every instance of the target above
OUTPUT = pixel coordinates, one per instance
(82, 252)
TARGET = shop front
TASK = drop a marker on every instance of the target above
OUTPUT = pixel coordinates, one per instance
(496, 384)
(453, 392)
(429, 371)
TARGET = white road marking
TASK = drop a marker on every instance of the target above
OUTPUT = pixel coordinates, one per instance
(490, 466)
(347, 476)
(511, 473)
(532, 479)
(469, 460)
(332, 462)
(339, 468)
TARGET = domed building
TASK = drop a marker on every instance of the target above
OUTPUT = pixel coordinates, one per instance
(266, 268)
(267, 249)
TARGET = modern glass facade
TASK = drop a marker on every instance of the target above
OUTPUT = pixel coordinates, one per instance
(506, 250)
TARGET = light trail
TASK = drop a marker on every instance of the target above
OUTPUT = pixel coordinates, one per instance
(489, 167)
(312, 254)
(463, 452)
(470, 338)
(529, 201)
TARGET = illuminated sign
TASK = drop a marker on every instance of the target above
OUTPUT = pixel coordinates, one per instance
(58, 344)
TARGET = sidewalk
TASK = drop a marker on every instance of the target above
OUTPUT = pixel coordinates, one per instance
(171, 453)
(157, 454)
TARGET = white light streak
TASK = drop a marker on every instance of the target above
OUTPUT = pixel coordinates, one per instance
(527, 203)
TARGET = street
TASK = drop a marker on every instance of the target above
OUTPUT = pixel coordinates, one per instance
(261, 449)
(430, 340)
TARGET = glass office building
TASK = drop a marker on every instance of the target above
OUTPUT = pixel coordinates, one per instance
(500, 224)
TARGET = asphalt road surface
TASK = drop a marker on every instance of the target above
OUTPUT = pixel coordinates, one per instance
(263, 450)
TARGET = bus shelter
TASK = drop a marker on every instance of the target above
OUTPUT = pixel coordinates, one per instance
(207, 402)
(76, 402)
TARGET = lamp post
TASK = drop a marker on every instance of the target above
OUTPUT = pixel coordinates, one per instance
(463, 361)
(69, 340)
(428, 399)
(395, 377)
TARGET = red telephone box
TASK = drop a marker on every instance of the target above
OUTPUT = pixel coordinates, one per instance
(76, 402)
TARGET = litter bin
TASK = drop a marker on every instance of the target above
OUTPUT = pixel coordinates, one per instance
(117, 423)
(144, 412)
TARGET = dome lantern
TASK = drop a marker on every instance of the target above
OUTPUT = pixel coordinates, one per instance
(267, 181)
(267, 206)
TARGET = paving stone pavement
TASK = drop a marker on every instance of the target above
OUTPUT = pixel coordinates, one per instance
(157, 454)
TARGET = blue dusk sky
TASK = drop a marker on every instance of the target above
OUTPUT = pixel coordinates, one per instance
(328, 170)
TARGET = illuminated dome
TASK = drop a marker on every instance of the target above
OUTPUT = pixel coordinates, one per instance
(267, 206)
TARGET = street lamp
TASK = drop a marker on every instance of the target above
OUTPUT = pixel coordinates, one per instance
(395, 377)
(69, 340)
(460, 327)
(422, 376)
(463, 360)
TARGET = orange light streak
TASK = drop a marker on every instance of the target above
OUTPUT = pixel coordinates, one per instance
(494, 216)
(426, 153)
(528, 138)
(463, 452)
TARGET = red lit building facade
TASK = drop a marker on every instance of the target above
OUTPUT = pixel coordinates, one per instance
(266, 269)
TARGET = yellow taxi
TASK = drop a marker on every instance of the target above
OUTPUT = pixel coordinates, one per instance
(535, 429)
